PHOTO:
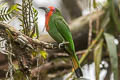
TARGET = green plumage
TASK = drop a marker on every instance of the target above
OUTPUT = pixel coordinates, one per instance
(59, 31)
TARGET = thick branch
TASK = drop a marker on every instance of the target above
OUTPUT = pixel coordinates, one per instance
(24, 40)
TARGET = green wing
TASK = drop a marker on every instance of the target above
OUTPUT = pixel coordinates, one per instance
(63, 29)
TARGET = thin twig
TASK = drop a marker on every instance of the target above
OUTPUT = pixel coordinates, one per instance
(90, 32)
(97, 25)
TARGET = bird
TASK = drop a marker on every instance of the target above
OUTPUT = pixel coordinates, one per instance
(58, 29)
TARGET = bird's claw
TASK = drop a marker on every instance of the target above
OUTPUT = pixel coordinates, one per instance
(61, 45)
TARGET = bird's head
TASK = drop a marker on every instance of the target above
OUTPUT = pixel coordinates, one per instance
(50, 9)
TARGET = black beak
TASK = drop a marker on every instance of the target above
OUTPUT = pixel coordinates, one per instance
(44, 8)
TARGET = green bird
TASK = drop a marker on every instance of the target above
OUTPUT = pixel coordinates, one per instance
(58, 29)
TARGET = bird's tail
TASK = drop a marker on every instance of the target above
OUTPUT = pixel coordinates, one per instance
(76, 66)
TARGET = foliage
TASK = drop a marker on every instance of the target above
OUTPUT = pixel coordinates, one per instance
(29, 18)
(112, 48)
(6, 14)
(27, 15)
(97, 58)
(108, 32)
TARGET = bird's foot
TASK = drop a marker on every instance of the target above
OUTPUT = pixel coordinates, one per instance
(61, 45)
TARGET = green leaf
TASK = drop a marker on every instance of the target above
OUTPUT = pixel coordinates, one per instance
(4, 10)
(13, 8)
(9, 16)
(43, 54)
(114, 15)
(94, 4)
(34, 35)
(20, 20)
(19, 4)
(6, 14)
(37, 30)
(97, 58)
(18, 75)
(112, 49)
(34, 53)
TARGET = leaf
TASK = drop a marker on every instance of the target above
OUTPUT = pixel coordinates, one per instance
(5, 13)
(34, 53)
(43, 54)
(112, 49)
(34, 35)
(9, 16)
(97, 58)
(114, 14)
(37, 30)
(94, 4)
(14, 8)
(35, 18)
(18, 75)
(20, 20)
(4, 10)
(3, 18)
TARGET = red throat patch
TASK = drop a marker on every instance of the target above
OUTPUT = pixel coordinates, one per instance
(47, 18)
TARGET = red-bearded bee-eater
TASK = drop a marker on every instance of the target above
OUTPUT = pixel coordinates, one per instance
(58, 29)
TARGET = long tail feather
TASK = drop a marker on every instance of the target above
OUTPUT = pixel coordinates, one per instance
(77, 68)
